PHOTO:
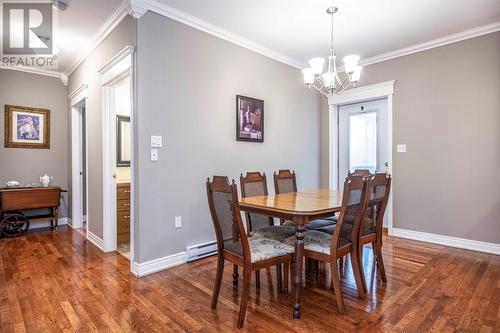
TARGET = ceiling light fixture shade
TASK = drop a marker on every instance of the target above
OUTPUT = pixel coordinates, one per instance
(356, 74)
(308, 75)
(350, 63)
(317, 65)
(329, 82)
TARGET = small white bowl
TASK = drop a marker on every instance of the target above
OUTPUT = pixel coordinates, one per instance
(13, 183)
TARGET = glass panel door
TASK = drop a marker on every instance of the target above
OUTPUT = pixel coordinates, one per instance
(363, 141)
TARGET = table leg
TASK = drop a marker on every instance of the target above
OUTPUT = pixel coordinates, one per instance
(299, 258)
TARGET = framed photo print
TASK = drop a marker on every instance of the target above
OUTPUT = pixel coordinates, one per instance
(27, 127)
(249, 119)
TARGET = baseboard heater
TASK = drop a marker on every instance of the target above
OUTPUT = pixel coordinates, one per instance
(199, 251)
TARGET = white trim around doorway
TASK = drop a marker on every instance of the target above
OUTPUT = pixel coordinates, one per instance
(119, 67)
(355, 95)
(78, 99)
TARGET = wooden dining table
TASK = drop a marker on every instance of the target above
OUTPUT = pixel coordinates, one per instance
(299, 207)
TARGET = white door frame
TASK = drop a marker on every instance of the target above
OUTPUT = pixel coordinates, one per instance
(78, 98)
(355, 95)
(119, 67)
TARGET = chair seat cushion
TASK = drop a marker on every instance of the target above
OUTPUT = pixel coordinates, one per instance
(311, 225)
(317, 241)
(262, 248)
(368, 228)
(319, 224)
(275, 232)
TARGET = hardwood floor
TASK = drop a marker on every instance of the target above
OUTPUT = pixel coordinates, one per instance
(57, 281)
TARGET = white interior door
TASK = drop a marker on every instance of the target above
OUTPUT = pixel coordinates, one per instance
(363, 138)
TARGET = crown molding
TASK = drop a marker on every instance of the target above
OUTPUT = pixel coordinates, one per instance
(138, 8)
(118, 15)
(450, 39)
(180, 16)
(192, 21)
(38, 71)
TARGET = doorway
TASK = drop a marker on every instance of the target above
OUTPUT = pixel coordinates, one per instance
(359, 95)
(117, 91)
(363, 143)
(363, 137)
(78, 101)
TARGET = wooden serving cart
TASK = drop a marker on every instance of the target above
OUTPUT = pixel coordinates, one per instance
(15, 201)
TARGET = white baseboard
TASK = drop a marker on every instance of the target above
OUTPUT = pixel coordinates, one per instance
(156, 265)
(461, 243)
(46, 224)
(95, 240)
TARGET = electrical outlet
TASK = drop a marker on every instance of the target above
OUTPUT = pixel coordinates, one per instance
(178, 222)
(401, 148)
(154, 155)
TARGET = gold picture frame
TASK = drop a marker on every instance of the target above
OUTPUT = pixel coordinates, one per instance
(27, 127)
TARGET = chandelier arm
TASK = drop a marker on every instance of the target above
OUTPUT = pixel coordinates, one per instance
(342, 87)
(321, 83)
(320, 90)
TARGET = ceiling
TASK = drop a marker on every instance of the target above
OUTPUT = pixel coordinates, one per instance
(300, 29)
(75, 28)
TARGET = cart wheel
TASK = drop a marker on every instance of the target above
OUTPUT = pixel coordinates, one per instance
(14, 225)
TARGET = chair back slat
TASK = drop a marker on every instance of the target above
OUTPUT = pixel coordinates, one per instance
(226, 217)
(379, 197)
(255, 184)
(354, 203)
(285, 182)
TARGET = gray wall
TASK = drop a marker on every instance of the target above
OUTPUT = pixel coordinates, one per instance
(124, 34)
(27, 165)
(447, 111)
(187, 83)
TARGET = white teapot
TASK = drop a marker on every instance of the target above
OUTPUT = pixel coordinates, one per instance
(45, 180)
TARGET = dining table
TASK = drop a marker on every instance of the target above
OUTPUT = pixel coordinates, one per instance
(299, 207)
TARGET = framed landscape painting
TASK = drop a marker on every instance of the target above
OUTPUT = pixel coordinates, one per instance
(27, 127)
(249, 119)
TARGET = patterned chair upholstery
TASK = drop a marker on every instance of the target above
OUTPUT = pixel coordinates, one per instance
(368, 228)
(317, 241)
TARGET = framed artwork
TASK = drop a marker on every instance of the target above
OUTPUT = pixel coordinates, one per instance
(122, 141)
(27, 127)
(249, 119)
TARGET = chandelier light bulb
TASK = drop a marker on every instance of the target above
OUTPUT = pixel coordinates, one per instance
(317, 65)
(308, 75)
(350, 63)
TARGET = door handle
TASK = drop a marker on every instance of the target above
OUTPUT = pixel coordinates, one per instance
(386, 164)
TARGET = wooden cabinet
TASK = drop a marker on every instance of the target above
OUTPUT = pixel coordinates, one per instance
(123, 212)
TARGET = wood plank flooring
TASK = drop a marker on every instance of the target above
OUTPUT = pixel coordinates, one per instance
(54, 281)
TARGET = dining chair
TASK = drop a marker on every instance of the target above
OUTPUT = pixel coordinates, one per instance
(285, 181)
(233, 244)
(344, 240)
(356, 172)
(373, 222)
(255, 184)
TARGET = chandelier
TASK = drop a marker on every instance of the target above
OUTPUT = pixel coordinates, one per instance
(329, 82)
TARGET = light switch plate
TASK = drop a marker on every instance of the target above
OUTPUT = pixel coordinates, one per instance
(156, 141)
(178, 222)
(154, 154)
(401, 148)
